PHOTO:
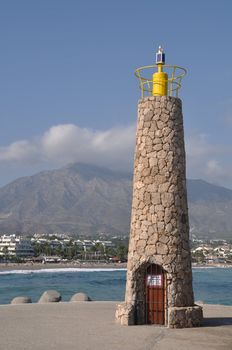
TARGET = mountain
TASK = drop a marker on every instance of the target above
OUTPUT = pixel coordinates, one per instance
(82, 198)
(78, 198)
(210, 209)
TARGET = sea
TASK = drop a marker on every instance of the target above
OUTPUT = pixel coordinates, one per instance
(211, 285)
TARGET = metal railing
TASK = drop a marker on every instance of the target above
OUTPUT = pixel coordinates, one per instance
(175, 76)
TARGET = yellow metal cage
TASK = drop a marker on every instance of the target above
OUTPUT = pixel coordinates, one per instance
(175, 76)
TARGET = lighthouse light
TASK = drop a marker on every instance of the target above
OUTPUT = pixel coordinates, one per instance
(160, 58)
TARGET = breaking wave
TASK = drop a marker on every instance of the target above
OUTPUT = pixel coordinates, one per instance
(60, 270)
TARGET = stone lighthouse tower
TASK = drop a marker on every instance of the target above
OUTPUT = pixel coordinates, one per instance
(159, 276)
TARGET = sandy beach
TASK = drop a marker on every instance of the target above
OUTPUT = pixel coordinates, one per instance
(90, 325)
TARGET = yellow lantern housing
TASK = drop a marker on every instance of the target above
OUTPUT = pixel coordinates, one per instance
(160, 84)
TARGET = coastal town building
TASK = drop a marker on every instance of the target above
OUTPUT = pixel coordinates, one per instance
(104, 244)
(12, 245)
(213, 252)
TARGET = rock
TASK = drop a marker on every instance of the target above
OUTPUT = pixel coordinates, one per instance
(50, 296)
(185, 317)
(125, 314)
(21, 300)
(80, 297)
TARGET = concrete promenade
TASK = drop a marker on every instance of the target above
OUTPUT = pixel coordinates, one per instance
(90, 325)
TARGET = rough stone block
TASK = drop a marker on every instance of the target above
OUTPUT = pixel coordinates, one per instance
(125, 314)
(185, 317)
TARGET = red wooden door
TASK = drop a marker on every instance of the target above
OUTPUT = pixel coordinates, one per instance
(155, 295)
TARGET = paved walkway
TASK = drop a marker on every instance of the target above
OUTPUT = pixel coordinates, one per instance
(90, 325)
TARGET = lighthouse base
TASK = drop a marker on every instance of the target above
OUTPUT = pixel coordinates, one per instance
(185, 317)
(178, 317)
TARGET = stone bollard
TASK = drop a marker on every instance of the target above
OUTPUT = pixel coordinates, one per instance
(50, 296)
(80, 297)
(21, 300)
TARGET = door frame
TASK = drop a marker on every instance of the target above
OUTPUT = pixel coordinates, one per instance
(155, 284)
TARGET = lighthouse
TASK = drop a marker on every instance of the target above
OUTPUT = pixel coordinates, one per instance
(159, 273)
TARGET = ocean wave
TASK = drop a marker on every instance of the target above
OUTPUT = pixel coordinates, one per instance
(211, 267)
(203, 267)
(61, 270)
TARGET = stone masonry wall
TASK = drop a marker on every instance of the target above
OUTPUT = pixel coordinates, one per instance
(159, 223)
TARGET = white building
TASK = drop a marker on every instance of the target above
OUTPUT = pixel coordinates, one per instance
(105, 244)
(11, 245)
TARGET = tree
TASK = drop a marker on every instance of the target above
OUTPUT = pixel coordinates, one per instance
(122, 252)
(5, 252)
(199, 256)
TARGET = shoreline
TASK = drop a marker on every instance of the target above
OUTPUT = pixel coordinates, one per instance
(82, 265)
(206, 266)
(70, 265)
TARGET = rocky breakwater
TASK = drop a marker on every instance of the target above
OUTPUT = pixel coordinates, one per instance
(159, 223)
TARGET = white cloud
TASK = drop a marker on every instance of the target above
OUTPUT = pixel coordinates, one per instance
(19, 150)
(213, 166)
(199, 145)
(113, 148)
(208, 160)
(66, 143)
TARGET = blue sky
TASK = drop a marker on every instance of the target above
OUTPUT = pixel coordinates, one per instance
(68, 91)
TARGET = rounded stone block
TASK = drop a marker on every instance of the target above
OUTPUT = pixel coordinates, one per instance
(21, 300)
(80, 297)
(50, 296)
